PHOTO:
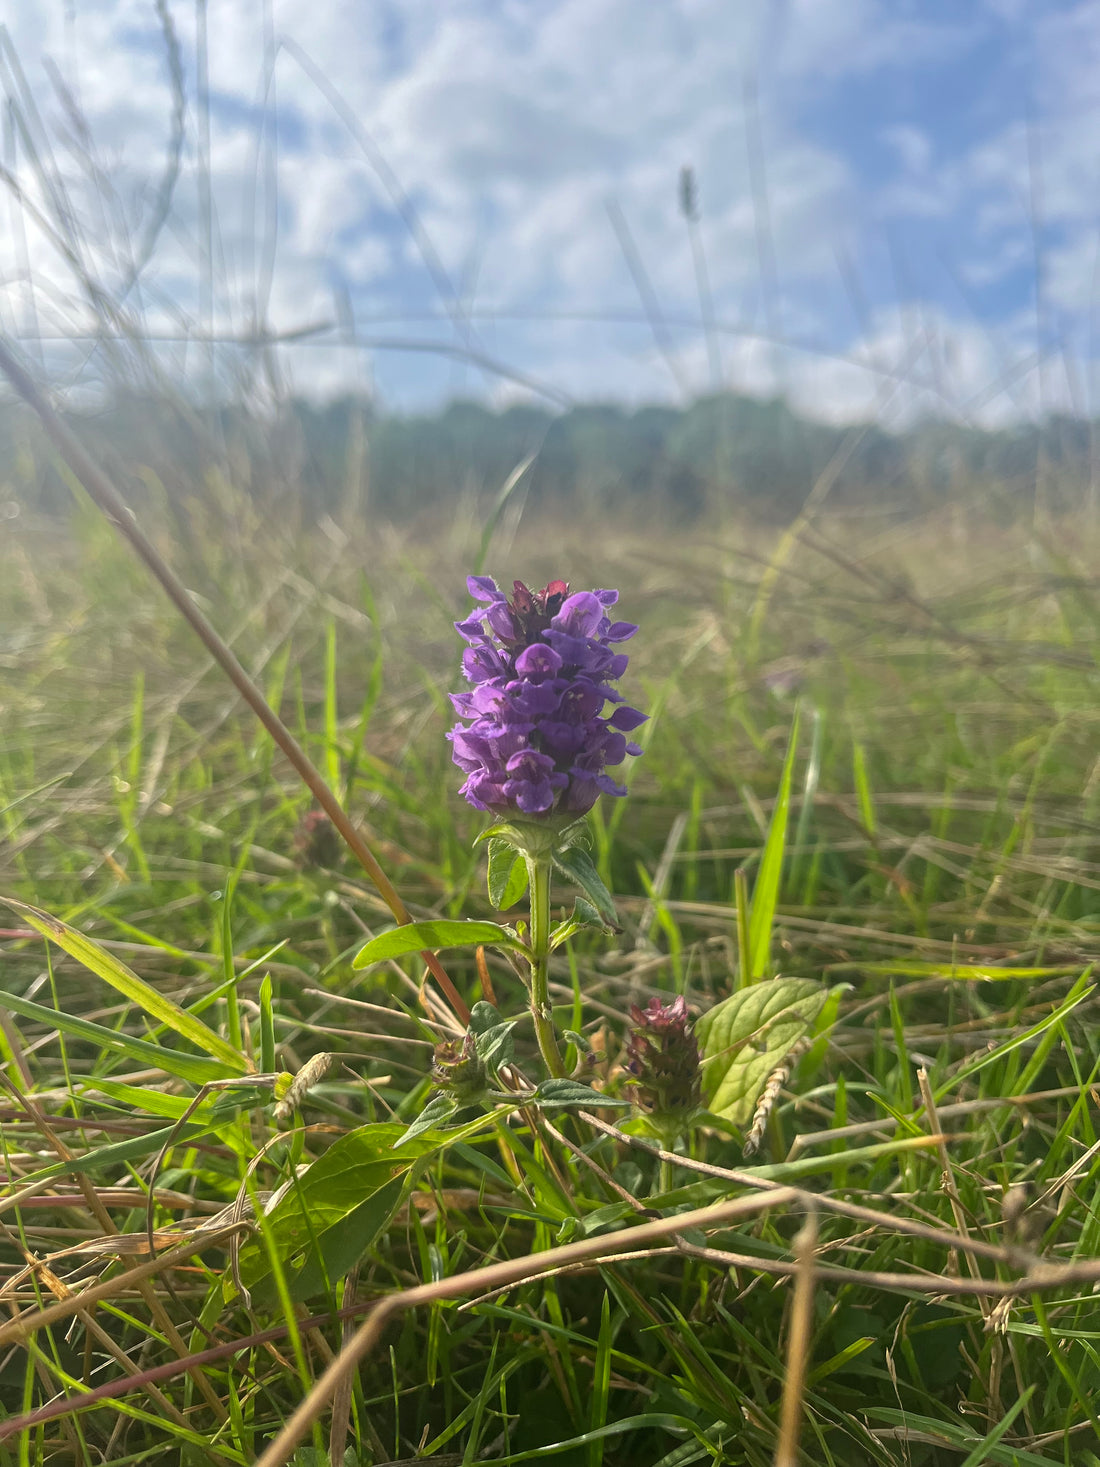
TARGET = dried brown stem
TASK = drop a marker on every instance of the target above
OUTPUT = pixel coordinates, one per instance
(798, 1344)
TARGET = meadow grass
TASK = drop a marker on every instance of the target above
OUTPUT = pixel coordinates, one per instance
(941, 859)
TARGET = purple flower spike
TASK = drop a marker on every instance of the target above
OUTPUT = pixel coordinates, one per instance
(533, 741)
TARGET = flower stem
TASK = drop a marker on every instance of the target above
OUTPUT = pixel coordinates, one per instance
(664, 1177)
(538, 872)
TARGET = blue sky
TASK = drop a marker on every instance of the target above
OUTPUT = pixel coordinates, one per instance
(898, 202)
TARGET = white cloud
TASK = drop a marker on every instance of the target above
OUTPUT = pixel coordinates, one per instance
(510, 126)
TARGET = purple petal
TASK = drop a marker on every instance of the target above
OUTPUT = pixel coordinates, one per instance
(580, 615)
(538, 661)
(563, 740)
(484, 588)
(483, 663)
(501, 621)
(625, 719)
(534, 700)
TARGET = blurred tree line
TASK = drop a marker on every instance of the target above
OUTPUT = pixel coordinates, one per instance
(722, 453)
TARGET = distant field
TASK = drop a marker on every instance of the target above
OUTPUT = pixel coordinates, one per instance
(944, 831)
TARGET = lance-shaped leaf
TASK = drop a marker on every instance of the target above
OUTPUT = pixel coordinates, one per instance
(577, 865)
(557, 1093)
(416, 937)
(584, 914)
(747, 1035)
(437, 1112)
(358, 1167)
(765, 896)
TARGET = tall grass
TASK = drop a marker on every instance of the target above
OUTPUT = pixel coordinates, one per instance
(941, 856)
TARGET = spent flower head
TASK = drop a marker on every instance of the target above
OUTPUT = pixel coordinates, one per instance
(662, 1057)
(457, 1067)
(535, 741)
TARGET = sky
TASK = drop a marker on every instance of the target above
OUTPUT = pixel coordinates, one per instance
(894, 211)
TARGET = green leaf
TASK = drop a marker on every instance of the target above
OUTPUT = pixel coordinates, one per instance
(190, 1067)
(483, 1017)
(415, 937)
(504, 494)
(507, 875)
(765, 894)
(576, 864)
(104, 965)
(340, 1247)
(494, 1046)
(1077, 995)
(966, 972)
(556, 1094)
(353, 1171)
(748, 1034)
(441, 1109)
(958, 1437)
(584, 914)
(492, 1034)
(135, 1148)
(267, 1027)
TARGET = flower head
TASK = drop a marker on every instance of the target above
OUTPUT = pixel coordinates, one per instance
(662, 1056)
(541, 665)
(457, 1067)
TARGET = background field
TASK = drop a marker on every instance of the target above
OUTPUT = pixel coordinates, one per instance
(944, 832)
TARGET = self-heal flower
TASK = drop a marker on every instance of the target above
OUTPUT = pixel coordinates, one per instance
(662, 1057)
(535, 741)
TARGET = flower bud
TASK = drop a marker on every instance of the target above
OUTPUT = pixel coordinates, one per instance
(662, 1057)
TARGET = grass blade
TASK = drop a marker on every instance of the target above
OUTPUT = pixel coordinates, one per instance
(123, 980)
(765, 896)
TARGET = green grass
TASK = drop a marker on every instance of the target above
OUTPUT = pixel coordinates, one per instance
(935, 846)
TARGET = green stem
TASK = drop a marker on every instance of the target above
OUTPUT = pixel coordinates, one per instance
(538, 871)
(664, 1177)
(670, 1134)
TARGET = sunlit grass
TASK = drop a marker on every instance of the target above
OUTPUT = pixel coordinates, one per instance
(941, 856)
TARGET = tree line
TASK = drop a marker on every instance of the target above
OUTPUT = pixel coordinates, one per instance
(721, 453)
